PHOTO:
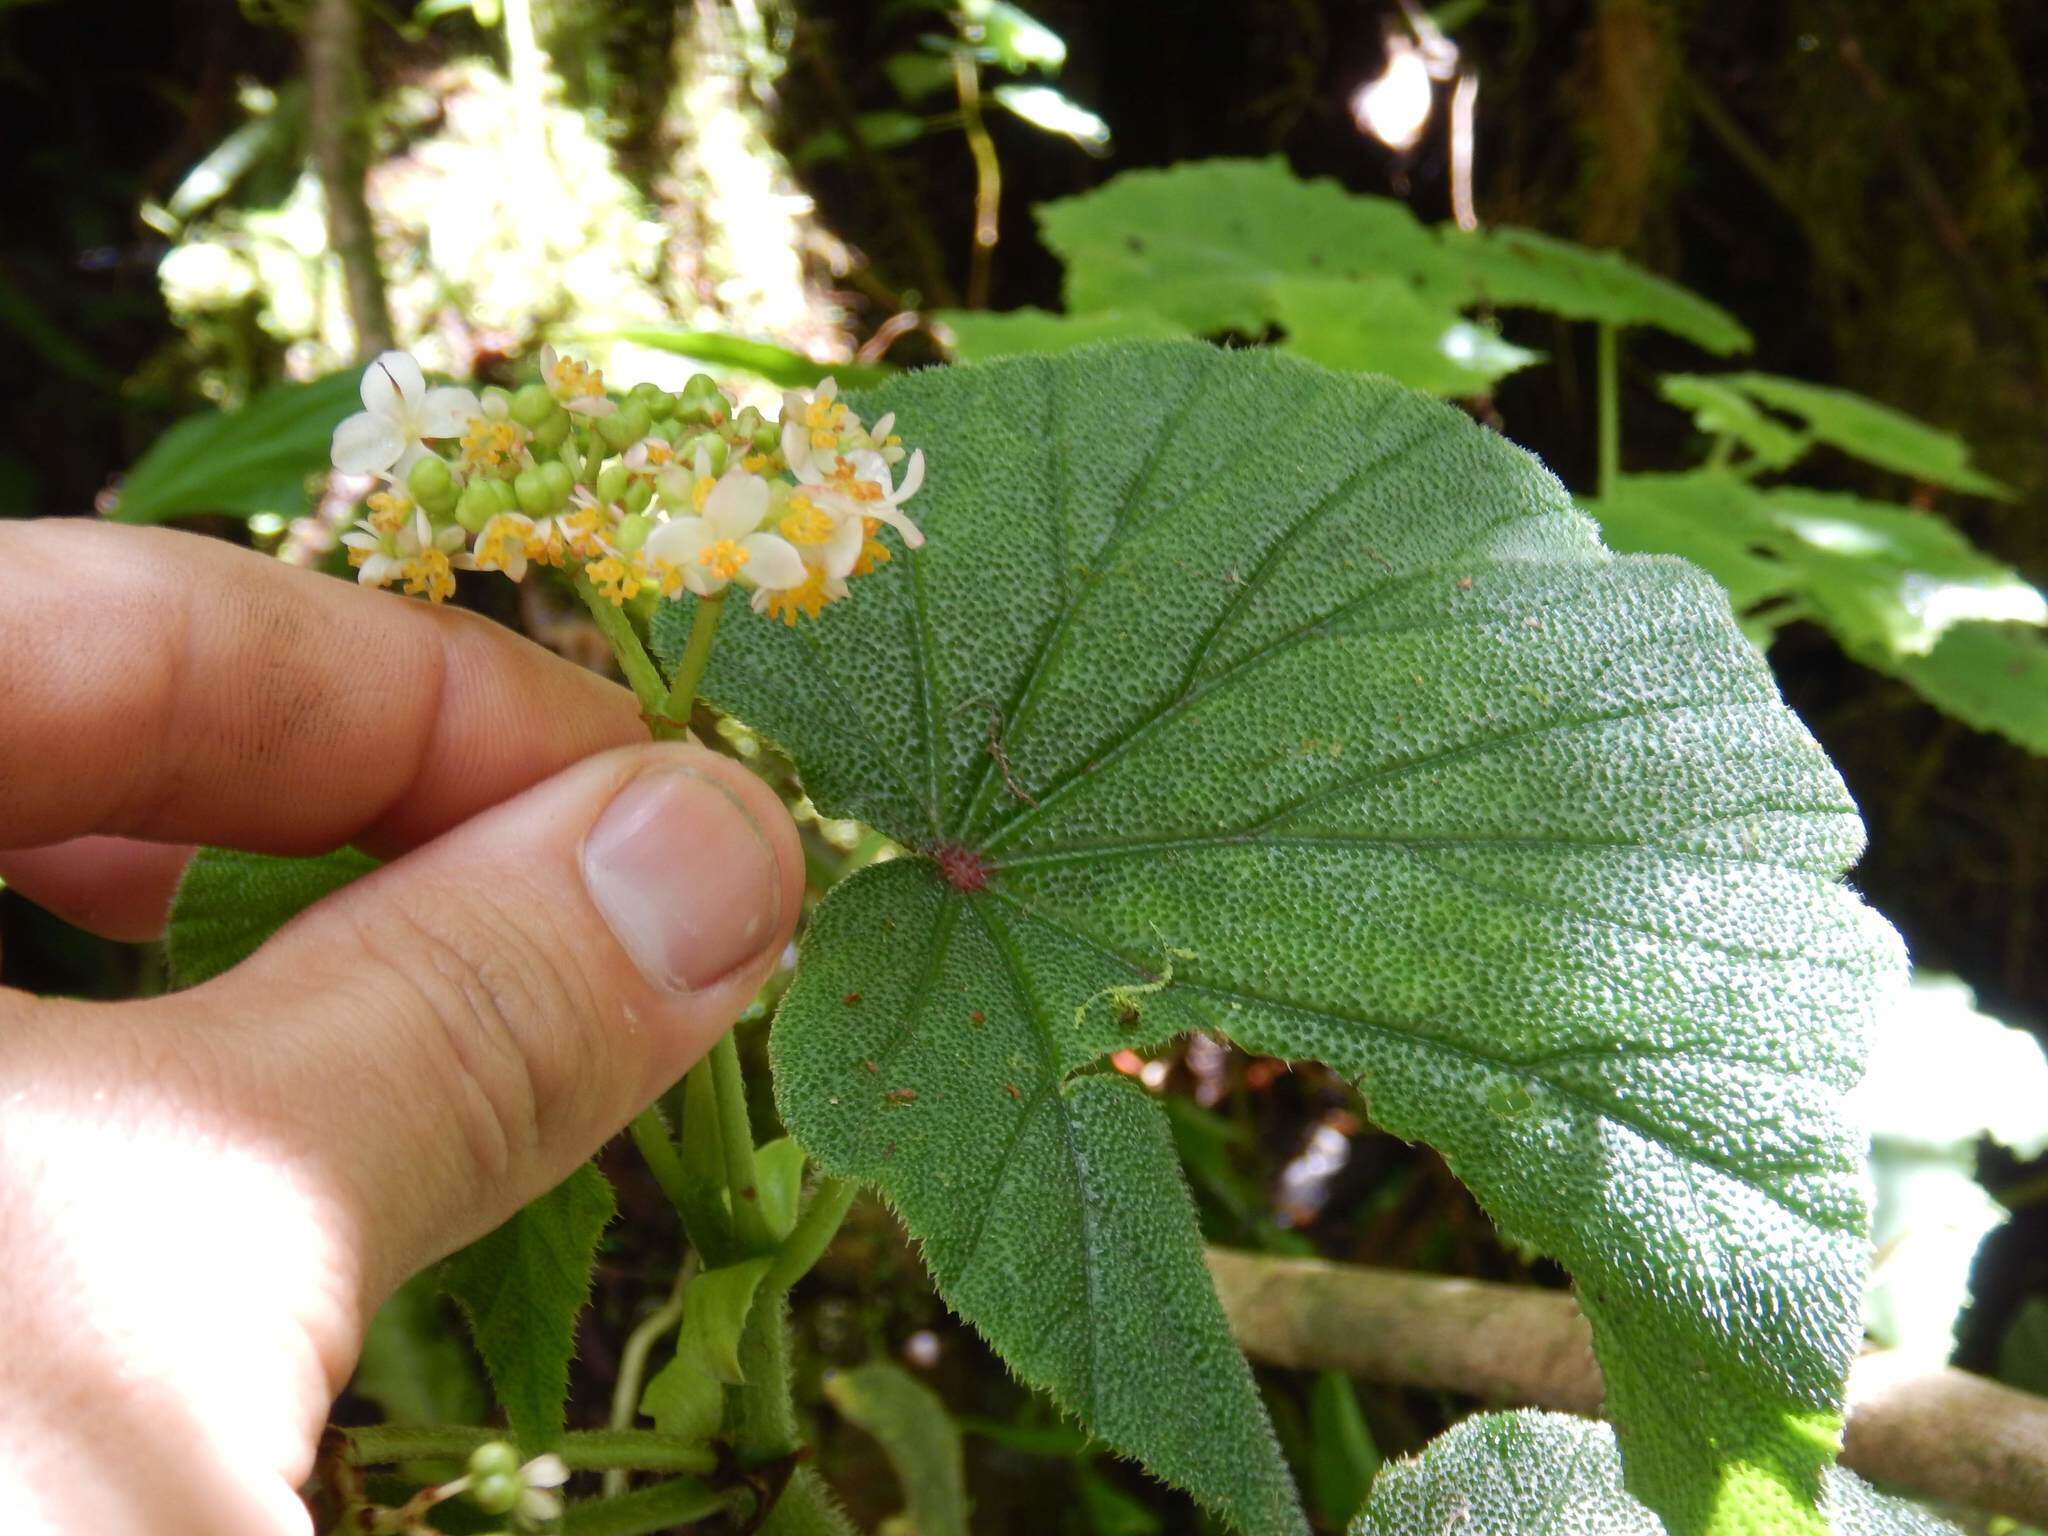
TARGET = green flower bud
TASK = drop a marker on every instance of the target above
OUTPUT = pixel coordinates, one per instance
(712, 444)
(478, 505)
(560, 480)
(638, 495)
(491, 392)
(702, 402)
(768, 437)
(535, 500)
(612, 481)
(747, 423)
(632, 533)
(493, 1456)
(653, 399)
(497, 1493)
(432, 485)
(668, 431)
(625, 426)
(502, 493)
(552, 432)
(532, 405)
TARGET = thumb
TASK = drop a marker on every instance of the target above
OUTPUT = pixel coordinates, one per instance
(451, 1035)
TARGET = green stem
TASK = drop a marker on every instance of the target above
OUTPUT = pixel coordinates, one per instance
(709, 1225)
(642, 675)
(1610, 407)
(813, 1233)
(633, 1363)
(647, 1511)
(681, 697)
(736, 1136)
(650, 1135)
(1722, 451)
(587, 1450)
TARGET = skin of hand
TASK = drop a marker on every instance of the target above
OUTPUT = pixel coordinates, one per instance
(204, 1196)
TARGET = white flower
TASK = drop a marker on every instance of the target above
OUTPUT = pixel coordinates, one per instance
(858, 484)
(724, 539)
(416, 554)
(538, 1502)
(501, 546)
(811, 424)
(398, 411)
(578, 386)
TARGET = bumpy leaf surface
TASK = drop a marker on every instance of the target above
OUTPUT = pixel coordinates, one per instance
(229, 903)
(522, 1288)
(1232, 694)
(1546, 1474)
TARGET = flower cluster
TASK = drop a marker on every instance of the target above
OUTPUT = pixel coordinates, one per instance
(655, 492)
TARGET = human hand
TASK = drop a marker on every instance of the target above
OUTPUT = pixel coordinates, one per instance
(204, 1196)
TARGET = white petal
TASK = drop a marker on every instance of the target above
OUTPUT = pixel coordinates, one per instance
(843, 552)
(883, 512)
(826, 391)
(589, 405)
(881, 428)
(913, 477)
(548, 1471)
(447, 411)
(366, 444)
(361, 538)
(772, 562)
(702, 580)
(679, 541)
(736, 504)
(796, 441)
(392, 384)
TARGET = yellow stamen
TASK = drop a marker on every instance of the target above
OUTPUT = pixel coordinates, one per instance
(616, 581)
(571, 378)
(808, 599)
(428, 574)
(754, 463)
(723, 559)
(701, 491)
(388, 511)
(805, 523)
(873, 552)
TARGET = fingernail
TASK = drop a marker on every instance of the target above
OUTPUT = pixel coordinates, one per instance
(684, 877)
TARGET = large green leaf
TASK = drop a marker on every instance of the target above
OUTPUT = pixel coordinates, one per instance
(1870, 431)
(256, 459)
(1993, 677)
(1521, 269)
(1232, 694)
(1203, 242)
(229, 903)
(777, 364)
(1546, 1474)
(522, 1288)
(1724, 412)
(979, 335)
(1884, 579)
(1382, 325)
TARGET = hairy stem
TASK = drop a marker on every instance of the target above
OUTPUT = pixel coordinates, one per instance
(588, 1450)
(650, 1135)
(681, 695)
(641, 674)
(736, 1138)
(813, 1233)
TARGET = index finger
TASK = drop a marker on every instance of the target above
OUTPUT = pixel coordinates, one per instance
(164, 686)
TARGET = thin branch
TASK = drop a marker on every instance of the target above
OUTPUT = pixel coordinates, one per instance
(334, 102)
(1928, 1430)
